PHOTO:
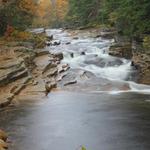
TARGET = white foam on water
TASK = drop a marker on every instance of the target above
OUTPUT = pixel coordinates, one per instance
(99, 48)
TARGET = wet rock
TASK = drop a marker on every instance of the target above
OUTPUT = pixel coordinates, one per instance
(22, 85)
(49, 38)
(86, 74)
(35, 83)
(68, 43)
(107, 35)
(97, 36)
(124, 51)
(52, 72)
(61, 76)
(63, 68)
(58, 55)
(6, 101)
(70, 82)
(49, 87)
(53, 43)
(48, 43)
(101, 62)
(11, 74)
(56, 43)
(41, 52)
(75, 38)
(48, 67)
(72, 55)
(83, 53)
(141, 61)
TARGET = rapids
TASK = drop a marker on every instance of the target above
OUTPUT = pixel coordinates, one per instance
(82, 51)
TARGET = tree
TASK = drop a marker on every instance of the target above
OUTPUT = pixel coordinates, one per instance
(16, 13)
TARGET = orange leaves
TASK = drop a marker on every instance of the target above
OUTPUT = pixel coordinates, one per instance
(28, 6)
(44, 6)
(61, 8)
(58, 8)
(9, 31)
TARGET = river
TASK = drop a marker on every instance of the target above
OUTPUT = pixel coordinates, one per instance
(104, 110)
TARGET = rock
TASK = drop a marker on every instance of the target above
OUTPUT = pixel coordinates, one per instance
(124, 51)
(97, 36)
(68, 43)
(63, 68)
(3, 135)
(141, 62)
(52, 72)
(48, 43)
(83, 53)
(72, 55)
(22, 86)
(61, 76)
(48, 67)
(56, 43)
(41, 52)
(49, 87)
(6, 100)
(1, 148)
(12, 73)
(75, 38)
(58, 55)
(3, 145)
(53, 43)
(49, 38)
(70, 82)
(35, 83)
(107, 35)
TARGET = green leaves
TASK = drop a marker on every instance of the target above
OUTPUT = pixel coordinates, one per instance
(83, 148)
(130, 17)
(11, 14)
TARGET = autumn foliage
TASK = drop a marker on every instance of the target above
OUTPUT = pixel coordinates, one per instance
(22, 14)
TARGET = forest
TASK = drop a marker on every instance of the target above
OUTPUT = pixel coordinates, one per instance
(129, 17)
(75, 74)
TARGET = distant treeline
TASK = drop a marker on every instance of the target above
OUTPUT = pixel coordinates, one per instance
(129, 17)
(16, 13)
(22, 14)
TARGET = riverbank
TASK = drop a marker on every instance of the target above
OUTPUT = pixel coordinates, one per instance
(134, 51)
(26, 67)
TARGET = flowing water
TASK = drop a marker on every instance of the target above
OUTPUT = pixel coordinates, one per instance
(89, 54)
(104, 110)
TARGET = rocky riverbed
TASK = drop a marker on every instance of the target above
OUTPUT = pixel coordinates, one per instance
(26, 69)
(76, 61)
(140, 58)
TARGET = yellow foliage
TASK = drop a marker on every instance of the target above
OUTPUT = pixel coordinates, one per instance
(20, 35)
(49, 11)
(28, 6)
(61, 8)
(44, 7)
(146, 42)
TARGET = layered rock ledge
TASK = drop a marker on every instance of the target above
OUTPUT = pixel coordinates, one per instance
(140, 58)
(25, 71)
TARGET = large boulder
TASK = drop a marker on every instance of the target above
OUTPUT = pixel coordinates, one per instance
(141, 61)
(58, 55)
(124, 50)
